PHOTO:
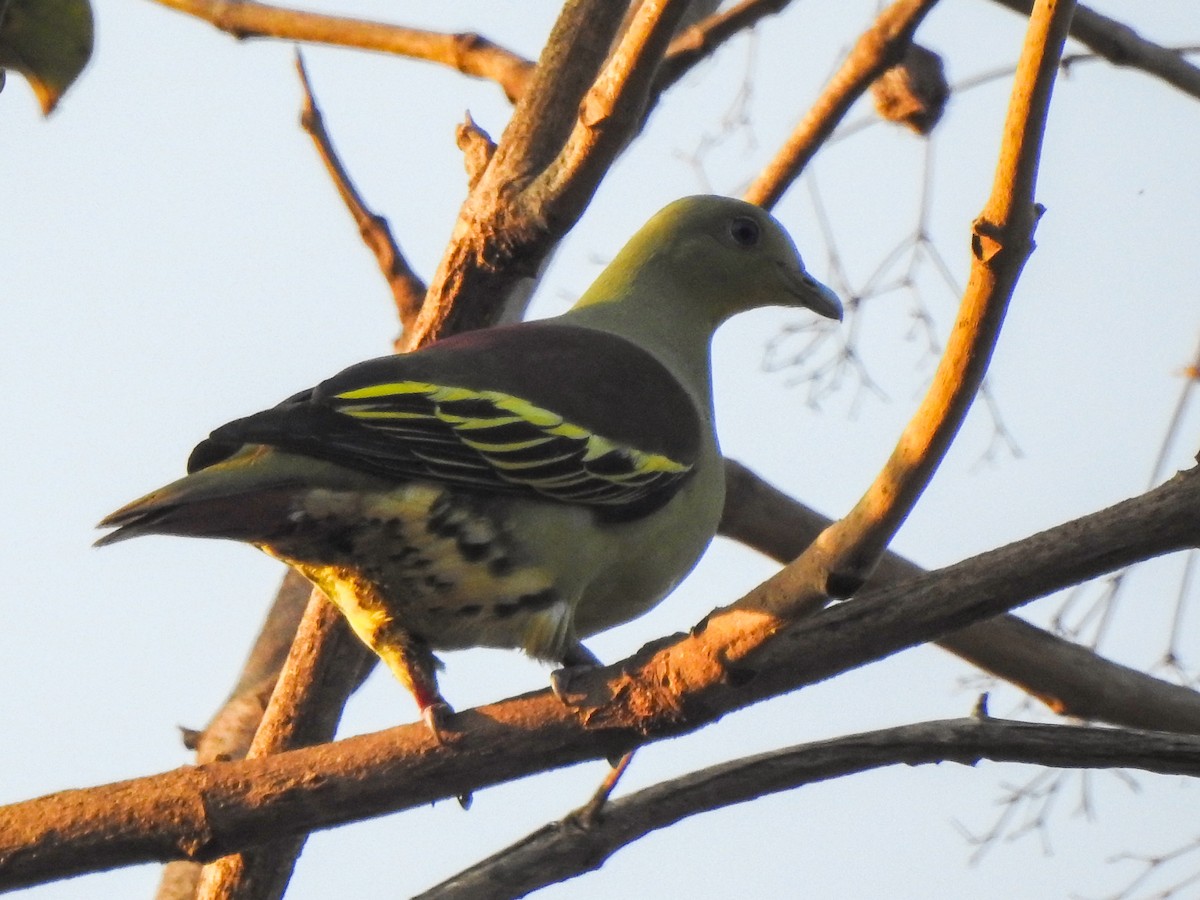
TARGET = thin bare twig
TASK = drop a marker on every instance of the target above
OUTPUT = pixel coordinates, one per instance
(699, 41)
(408, 290)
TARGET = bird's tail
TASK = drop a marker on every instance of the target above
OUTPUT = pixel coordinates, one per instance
(246, 498)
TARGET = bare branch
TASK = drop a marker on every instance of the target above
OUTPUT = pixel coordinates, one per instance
(1071, 680)
(408, 290)
(700, 41)
(838, 562)
(469, 53)
(1122, 46)
(878, 49)
(667, 689)
(564, 849)
(612, 109)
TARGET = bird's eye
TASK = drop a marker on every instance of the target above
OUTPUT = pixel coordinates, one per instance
(744, 231)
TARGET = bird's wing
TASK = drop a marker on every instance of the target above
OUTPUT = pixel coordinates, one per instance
(542, 409)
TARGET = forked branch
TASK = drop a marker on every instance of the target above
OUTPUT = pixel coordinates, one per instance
(842, 558)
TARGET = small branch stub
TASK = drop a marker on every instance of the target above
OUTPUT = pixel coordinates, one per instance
(477, 147)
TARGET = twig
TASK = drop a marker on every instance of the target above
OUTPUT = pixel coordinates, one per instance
(563, 850)
(699, 41)
(408, 290)
(590, 813)
(469, 53)
(879, 48)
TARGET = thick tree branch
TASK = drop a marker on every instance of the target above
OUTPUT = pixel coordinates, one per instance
(549, 161)
(611, 112)
(841, 559)
(566, 849)
(1122, 46)
(666, 689)
(469, 53)
(1070, 679)
(408, 290)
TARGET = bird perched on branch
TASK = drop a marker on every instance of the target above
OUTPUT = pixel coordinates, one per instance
(523, 486)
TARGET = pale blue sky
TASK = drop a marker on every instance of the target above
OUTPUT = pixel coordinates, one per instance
(174, 257)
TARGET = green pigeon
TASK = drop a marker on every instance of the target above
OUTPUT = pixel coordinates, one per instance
(524, 486)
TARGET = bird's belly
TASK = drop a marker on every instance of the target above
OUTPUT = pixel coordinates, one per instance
(459, 571)
(446, 568)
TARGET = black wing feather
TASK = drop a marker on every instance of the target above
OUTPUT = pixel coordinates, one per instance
(495, 411)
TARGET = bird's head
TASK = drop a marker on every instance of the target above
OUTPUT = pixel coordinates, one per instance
(718, 255)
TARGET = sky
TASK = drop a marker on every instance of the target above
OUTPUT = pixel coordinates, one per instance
(174, 257)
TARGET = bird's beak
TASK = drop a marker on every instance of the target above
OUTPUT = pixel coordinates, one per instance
(815, 296)
(823, 301)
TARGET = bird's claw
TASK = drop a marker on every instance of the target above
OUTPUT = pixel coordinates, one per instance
(561, 681)
(436, 717)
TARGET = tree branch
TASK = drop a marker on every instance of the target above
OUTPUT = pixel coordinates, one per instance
(408, 290)
(1122, 46)
(878, 49)
(229, 734)
(566, 849)
(667, 689)
(611, 112)
(699, 41)
(469, 53)
(841, 559)
(304, 710)
(549, 161)
(1070, 679)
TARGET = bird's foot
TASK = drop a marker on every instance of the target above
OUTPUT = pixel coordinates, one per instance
(562, 680)
(577, 660)
(436, 717)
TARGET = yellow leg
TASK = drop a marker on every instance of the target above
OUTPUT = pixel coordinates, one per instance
(408, 658)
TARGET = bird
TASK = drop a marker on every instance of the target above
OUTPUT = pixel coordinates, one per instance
(524, 486)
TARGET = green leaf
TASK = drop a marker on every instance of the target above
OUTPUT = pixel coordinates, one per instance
(47, 41)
